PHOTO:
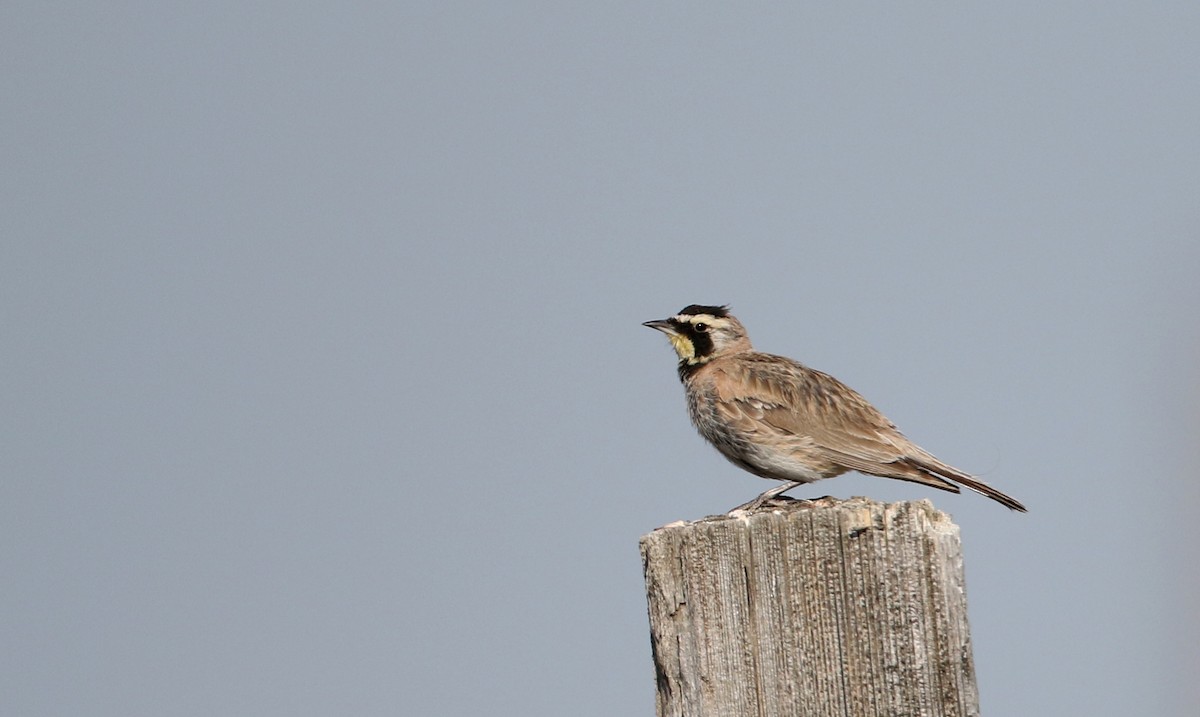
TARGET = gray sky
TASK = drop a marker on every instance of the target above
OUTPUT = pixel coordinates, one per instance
(324, 381)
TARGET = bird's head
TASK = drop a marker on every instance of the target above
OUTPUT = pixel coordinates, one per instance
(702, 333)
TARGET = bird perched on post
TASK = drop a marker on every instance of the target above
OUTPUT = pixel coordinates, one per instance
(780, 419)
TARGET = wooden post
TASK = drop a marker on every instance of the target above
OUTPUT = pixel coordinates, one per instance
(821, 608)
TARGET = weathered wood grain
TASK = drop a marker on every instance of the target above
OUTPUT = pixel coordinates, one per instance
(825, 608)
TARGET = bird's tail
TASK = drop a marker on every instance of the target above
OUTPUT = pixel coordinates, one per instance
(940, 470)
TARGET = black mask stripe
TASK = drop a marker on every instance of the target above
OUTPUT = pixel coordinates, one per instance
(702, 345)
(702, 341)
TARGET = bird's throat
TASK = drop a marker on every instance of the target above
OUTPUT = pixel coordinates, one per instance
(683, 346)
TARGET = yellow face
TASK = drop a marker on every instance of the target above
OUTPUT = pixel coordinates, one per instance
(683, 346)
(697, 336)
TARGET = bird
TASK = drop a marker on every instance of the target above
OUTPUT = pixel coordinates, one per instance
(779, 419)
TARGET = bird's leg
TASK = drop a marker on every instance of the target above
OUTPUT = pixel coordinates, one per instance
(767, 495)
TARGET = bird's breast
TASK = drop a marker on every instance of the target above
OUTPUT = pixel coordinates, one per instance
(741, 436)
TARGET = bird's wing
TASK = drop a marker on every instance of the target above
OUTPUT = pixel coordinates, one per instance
(829, 421)
(786, 397)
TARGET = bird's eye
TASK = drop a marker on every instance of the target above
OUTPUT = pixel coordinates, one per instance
(702, 328)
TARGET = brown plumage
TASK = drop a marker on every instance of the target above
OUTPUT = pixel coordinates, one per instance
(780, 419)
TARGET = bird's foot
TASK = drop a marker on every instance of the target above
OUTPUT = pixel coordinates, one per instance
(769, 497)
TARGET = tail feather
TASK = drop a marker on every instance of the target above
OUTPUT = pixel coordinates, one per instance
(945, 472)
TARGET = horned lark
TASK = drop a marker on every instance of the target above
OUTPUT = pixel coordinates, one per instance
(780, 419)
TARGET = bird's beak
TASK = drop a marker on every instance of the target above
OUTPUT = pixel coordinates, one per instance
(662, 325)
